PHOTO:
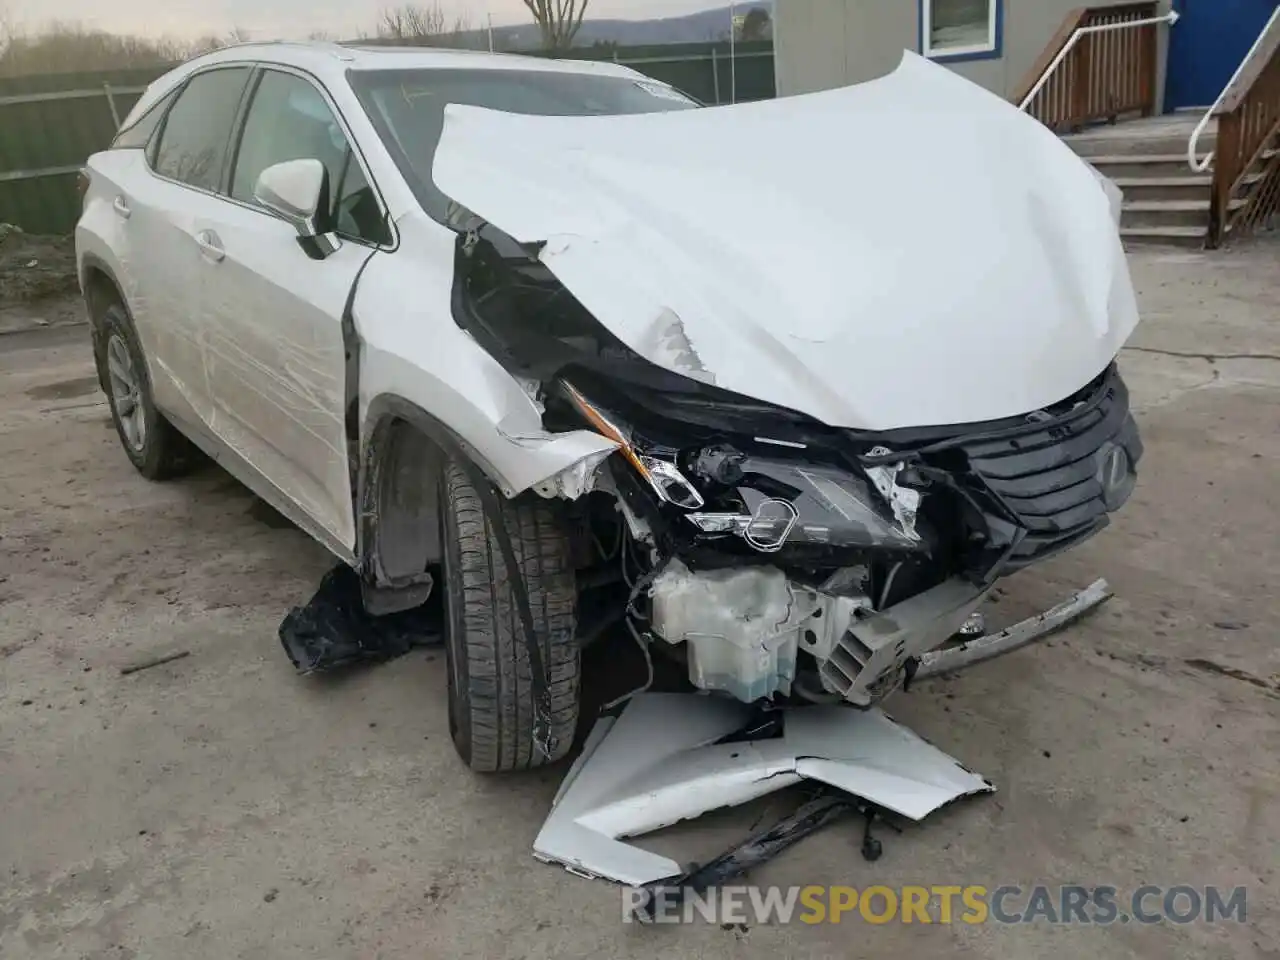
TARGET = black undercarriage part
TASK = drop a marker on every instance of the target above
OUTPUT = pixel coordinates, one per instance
(333, 629)
(821, 811)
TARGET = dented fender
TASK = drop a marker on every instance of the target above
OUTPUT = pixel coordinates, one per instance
(411, 349)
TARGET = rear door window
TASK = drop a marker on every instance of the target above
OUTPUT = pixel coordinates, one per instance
(193, 142)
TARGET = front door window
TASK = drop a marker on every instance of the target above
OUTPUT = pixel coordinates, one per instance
(289, 119)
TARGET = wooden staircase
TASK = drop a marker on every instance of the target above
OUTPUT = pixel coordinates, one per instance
(1165, 202)
(1095, 86)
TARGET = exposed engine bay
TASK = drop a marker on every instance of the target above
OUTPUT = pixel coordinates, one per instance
(777, 556)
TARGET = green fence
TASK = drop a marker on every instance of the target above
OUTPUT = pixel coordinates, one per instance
(50, 124)
(707, 71)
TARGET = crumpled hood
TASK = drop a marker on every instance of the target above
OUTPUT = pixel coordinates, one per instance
(912, 251)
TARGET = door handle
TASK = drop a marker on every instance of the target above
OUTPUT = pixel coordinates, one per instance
(210, 246)
(121, 206)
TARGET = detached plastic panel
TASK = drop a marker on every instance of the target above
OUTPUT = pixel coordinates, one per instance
(660, 763)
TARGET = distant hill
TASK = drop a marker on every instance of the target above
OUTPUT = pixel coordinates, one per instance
(691, 28)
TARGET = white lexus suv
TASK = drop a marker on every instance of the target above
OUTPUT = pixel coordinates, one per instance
(764, 385)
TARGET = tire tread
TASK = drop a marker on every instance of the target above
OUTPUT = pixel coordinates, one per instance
(499, 696)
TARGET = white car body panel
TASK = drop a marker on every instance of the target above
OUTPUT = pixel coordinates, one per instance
(273, 349)
(823, 252)
(157, 263)
(412, 349)
(820, 292)
(660, 763)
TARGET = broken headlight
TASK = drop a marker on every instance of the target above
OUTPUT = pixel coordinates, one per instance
(767, 502)
(663, 476)
(781, 502)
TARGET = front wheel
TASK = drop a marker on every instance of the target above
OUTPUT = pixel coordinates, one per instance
(491, 694)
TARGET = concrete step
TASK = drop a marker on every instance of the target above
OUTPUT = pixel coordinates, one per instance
(1140, 165)
(1169, 213)
(1156, 164)
(1148, 136)
(1190, 187)
(1192, 237)
(1152, 144)
(1165, 213)
(1250, 180)
(1146, 146)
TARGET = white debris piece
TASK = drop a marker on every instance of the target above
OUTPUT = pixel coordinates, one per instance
(660, 762)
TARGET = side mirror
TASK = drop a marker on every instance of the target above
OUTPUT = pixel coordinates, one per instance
(297, 191)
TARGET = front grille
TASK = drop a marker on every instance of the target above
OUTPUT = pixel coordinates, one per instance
(1049, 478)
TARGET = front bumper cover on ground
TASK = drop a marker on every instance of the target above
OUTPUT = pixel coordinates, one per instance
(666, 759)
(671, 757)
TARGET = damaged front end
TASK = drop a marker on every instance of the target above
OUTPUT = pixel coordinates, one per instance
(779, 557)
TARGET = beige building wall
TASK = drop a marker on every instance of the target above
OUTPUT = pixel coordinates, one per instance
(831, 43)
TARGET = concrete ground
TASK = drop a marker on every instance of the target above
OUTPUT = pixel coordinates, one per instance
(221, 807)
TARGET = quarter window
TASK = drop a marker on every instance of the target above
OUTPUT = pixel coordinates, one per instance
(289, 119)
(957, 28)
(193, 141)
(140, 133)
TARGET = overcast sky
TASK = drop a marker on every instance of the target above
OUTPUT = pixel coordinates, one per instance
(292, 18)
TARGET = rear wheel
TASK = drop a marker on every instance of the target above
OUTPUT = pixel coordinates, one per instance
(156, 448)
(491, 693)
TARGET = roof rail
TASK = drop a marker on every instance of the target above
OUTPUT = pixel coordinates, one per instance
(337, 50)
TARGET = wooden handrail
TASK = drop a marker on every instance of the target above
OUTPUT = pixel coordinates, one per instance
(1096, 67)
(1252, 72)
(1237, 88)
(1246, 161)
(1072, 22)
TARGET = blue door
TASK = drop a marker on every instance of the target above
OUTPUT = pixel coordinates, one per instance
(1207, 45)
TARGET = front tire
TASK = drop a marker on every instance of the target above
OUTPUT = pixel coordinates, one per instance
(155, 447)
(491, 695)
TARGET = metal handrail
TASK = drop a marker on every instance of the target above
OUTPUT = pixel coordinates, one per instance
(1170, 18)
(1200, 166)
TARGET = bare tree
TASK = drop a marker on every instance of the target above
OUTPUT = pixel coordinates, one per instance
(62, 47)
(8, 31)
(426, 26)
(558, 21)
(215, 41)
(410, 22)
(756, 25)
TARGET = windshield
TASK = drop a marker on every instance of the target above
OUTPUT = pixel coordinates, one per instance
(407, 107)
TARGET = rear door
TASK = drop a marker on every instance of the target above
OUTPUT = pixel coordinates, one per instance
(274, 349)
(185, 162)
(106, 229)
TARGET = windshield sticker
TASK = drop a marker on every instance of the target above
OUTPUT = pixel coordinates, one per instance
(661, 91)
(411, 95)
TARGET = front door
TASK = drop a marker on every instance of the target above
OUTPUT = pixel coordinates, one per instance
(275, 359)
(1208, 44)
(272, 316)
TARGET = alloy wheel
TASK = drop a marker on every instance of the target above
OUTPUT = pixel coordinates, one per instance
(126, 393)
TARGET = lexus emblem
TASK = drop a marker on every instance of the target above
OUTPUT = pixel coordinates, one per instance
(1114, 474)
